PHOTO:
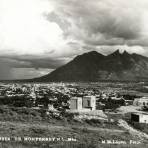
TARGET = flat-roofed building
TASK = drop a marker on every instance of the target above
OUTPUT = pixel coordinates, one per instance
(139, 117)
(141, 102)
(76, 103)
(89, 102)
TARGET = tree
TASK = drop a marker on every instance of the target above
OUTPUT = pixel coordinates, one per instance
(61, 103)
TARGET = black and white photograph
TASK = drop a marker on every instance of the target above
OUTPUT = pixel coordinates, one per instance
(73, 73)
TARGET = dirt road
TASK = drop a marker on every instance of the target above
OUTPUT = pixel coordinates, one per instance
(131, 130)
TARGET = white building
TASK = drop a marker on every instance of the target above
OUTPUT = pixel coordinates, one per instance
(76, 103)
(86, 103)
(139, 117)
(141, 102)
(89, 102)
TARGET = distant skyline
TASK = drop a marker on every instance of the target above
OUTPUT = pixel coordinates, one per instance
(37, 36)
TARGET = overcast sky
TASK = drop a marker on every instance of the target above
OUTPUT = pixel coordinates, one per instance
(37, 36)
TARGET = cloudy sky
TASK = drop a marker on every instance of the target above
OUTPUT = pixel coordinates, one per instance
(37, 36)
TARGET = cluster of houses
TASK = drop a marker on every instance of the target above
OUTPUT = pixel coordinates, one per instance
(88, 103)
(80, 99)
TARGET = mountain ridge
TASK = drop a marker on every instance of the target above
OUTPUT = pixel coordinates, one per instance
(94, 66)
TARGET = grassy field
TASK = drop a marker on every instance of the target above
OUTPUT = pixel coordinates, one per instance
(23, 122)
(87, 137)
(68, 145)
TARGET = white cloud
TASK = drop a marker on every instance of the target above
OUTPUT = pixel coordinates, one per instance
(105, 22)
(24, 28)
(62, 29)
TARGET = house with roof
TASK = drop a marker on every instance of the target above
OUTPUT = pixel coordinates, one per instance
(143, 102)
(139, 117)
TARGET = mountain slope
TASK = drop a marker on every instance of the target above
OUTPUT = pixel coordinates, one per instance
(93, 66)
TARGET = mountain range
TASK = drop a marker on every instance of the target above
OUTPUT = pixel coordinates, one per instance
(94, 66)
